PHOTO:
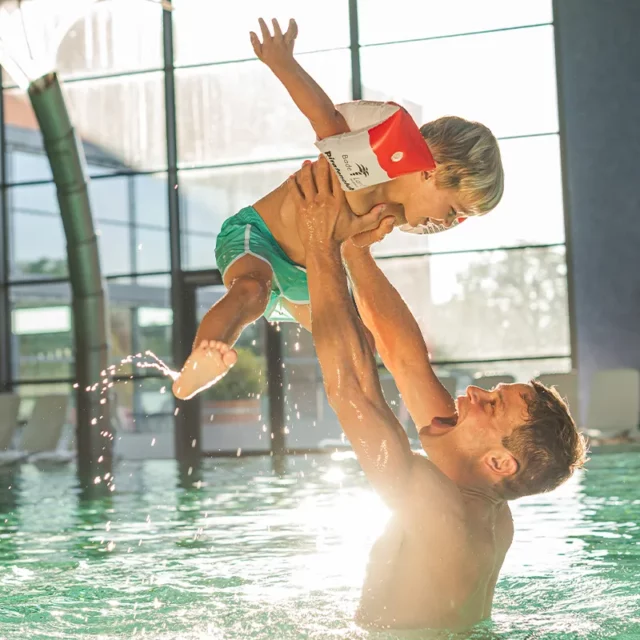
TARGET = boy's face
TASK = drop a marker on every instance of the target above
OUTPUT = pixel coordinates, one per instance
(425, 204)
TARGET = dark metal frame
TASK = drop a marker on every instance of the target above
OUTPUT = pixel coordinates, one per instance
(185, 283)
(6, 352)
(566, 195)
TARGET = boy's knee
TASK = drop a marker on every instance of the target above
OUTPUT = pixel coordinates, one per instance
(252, 289)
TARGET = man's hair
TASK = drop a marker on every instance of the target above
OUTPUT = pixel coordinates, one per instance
(468, 160)
(548, 447)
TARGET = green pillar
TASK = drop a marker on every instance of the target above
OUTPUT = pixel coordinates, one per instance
(90, 324)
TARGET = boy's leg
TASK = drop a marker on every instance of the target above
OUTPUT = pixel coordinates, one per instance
(248, 281)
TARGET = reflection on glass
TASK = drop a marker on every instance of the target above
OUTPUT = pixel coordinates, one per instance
(143, 406)
(234, 411)
(41, 331)
(140, 320)
(209, 197)
(240, 112)
(531, 211)
(487, 304)
(89, 38)
(37, 241)
(504, 80)
(25, 157)
(411, 19)
(39, 247)
(125, 116)
(110, 199)
(132, 223)
(114, 243)
(150, 196)
(465, 374)
(113, 37)
(152, 250)
(323, 26)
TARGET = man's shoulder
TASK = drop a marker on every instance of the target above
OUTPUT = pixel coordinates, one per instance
(435, 487)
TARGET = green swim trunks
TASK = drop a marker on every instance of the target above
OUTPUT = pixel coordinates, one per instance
(246, 233)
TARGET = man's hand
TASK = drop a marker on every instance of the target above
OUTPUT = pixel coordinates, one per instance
(275, 50)
(365, 239)
(324, 217)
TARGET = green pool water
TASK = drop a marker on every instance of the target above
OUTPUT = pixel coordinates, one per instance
(248, 554)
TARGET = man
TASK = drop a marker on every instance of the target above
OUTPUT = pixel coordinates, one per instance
(437, 564)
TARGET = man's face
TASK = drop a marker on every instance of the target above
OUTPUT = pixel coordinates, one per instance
(474, 444)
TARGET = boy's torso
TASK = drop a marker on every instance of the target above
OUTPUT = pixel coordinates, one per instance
(279, 214)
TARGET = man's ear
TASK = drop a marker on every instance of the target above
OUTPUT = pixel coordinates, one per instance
(428, 175)
(501, 463)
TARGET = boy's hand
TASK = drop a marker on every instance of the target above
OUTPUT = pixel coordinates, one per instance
(323, 216)
(275, 50)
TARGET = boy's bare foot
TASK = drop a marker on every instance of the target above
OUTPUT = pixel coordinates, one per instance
(203, 368)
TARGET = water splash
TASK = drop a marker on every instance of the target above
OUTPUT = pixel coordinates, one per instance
(158, 365)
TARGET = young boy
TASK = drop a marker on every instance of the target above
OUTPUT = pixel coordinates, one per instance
(258, 250)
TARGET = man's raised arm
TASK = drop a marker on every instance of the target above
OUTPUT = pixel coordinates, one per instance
(348, 367)
(397, 335)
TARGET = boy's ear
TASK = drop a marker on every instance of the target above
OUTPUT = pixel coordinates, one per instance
(427, 175)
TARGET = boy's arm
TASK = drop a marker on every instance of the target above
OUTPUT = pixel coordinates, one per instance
(397, 336)
(276, 51)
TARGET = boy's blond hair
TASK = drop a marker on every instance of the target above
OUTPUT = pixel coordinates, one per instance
(468, 160)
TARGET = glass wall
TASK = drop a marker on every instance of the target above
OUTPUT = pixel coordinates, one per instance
(490, 295)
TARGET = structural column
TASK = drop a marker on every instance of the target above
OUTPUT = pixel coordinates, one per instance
(598, 57)
(93, 430)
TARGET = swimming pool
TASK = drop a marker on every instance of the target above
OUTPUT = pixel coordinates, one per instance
(247, 554)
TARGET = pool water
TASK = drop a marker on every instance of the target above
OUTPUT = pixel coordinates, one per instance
(248, 554)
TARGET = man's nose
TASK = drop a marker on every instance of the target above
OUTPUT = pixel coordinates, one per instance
(475, 394)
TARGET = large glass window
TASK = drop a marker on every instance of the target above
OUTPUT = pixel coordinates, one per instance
(472, 77)
(420, 19)
(84, 39)
(36, 237)
(210, 196)
(321, 27)
(489, 304)
(490, 295)
(240, 112)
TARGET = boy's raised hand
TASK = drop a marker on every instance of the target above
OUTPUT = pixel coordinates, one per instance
(277, 49)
